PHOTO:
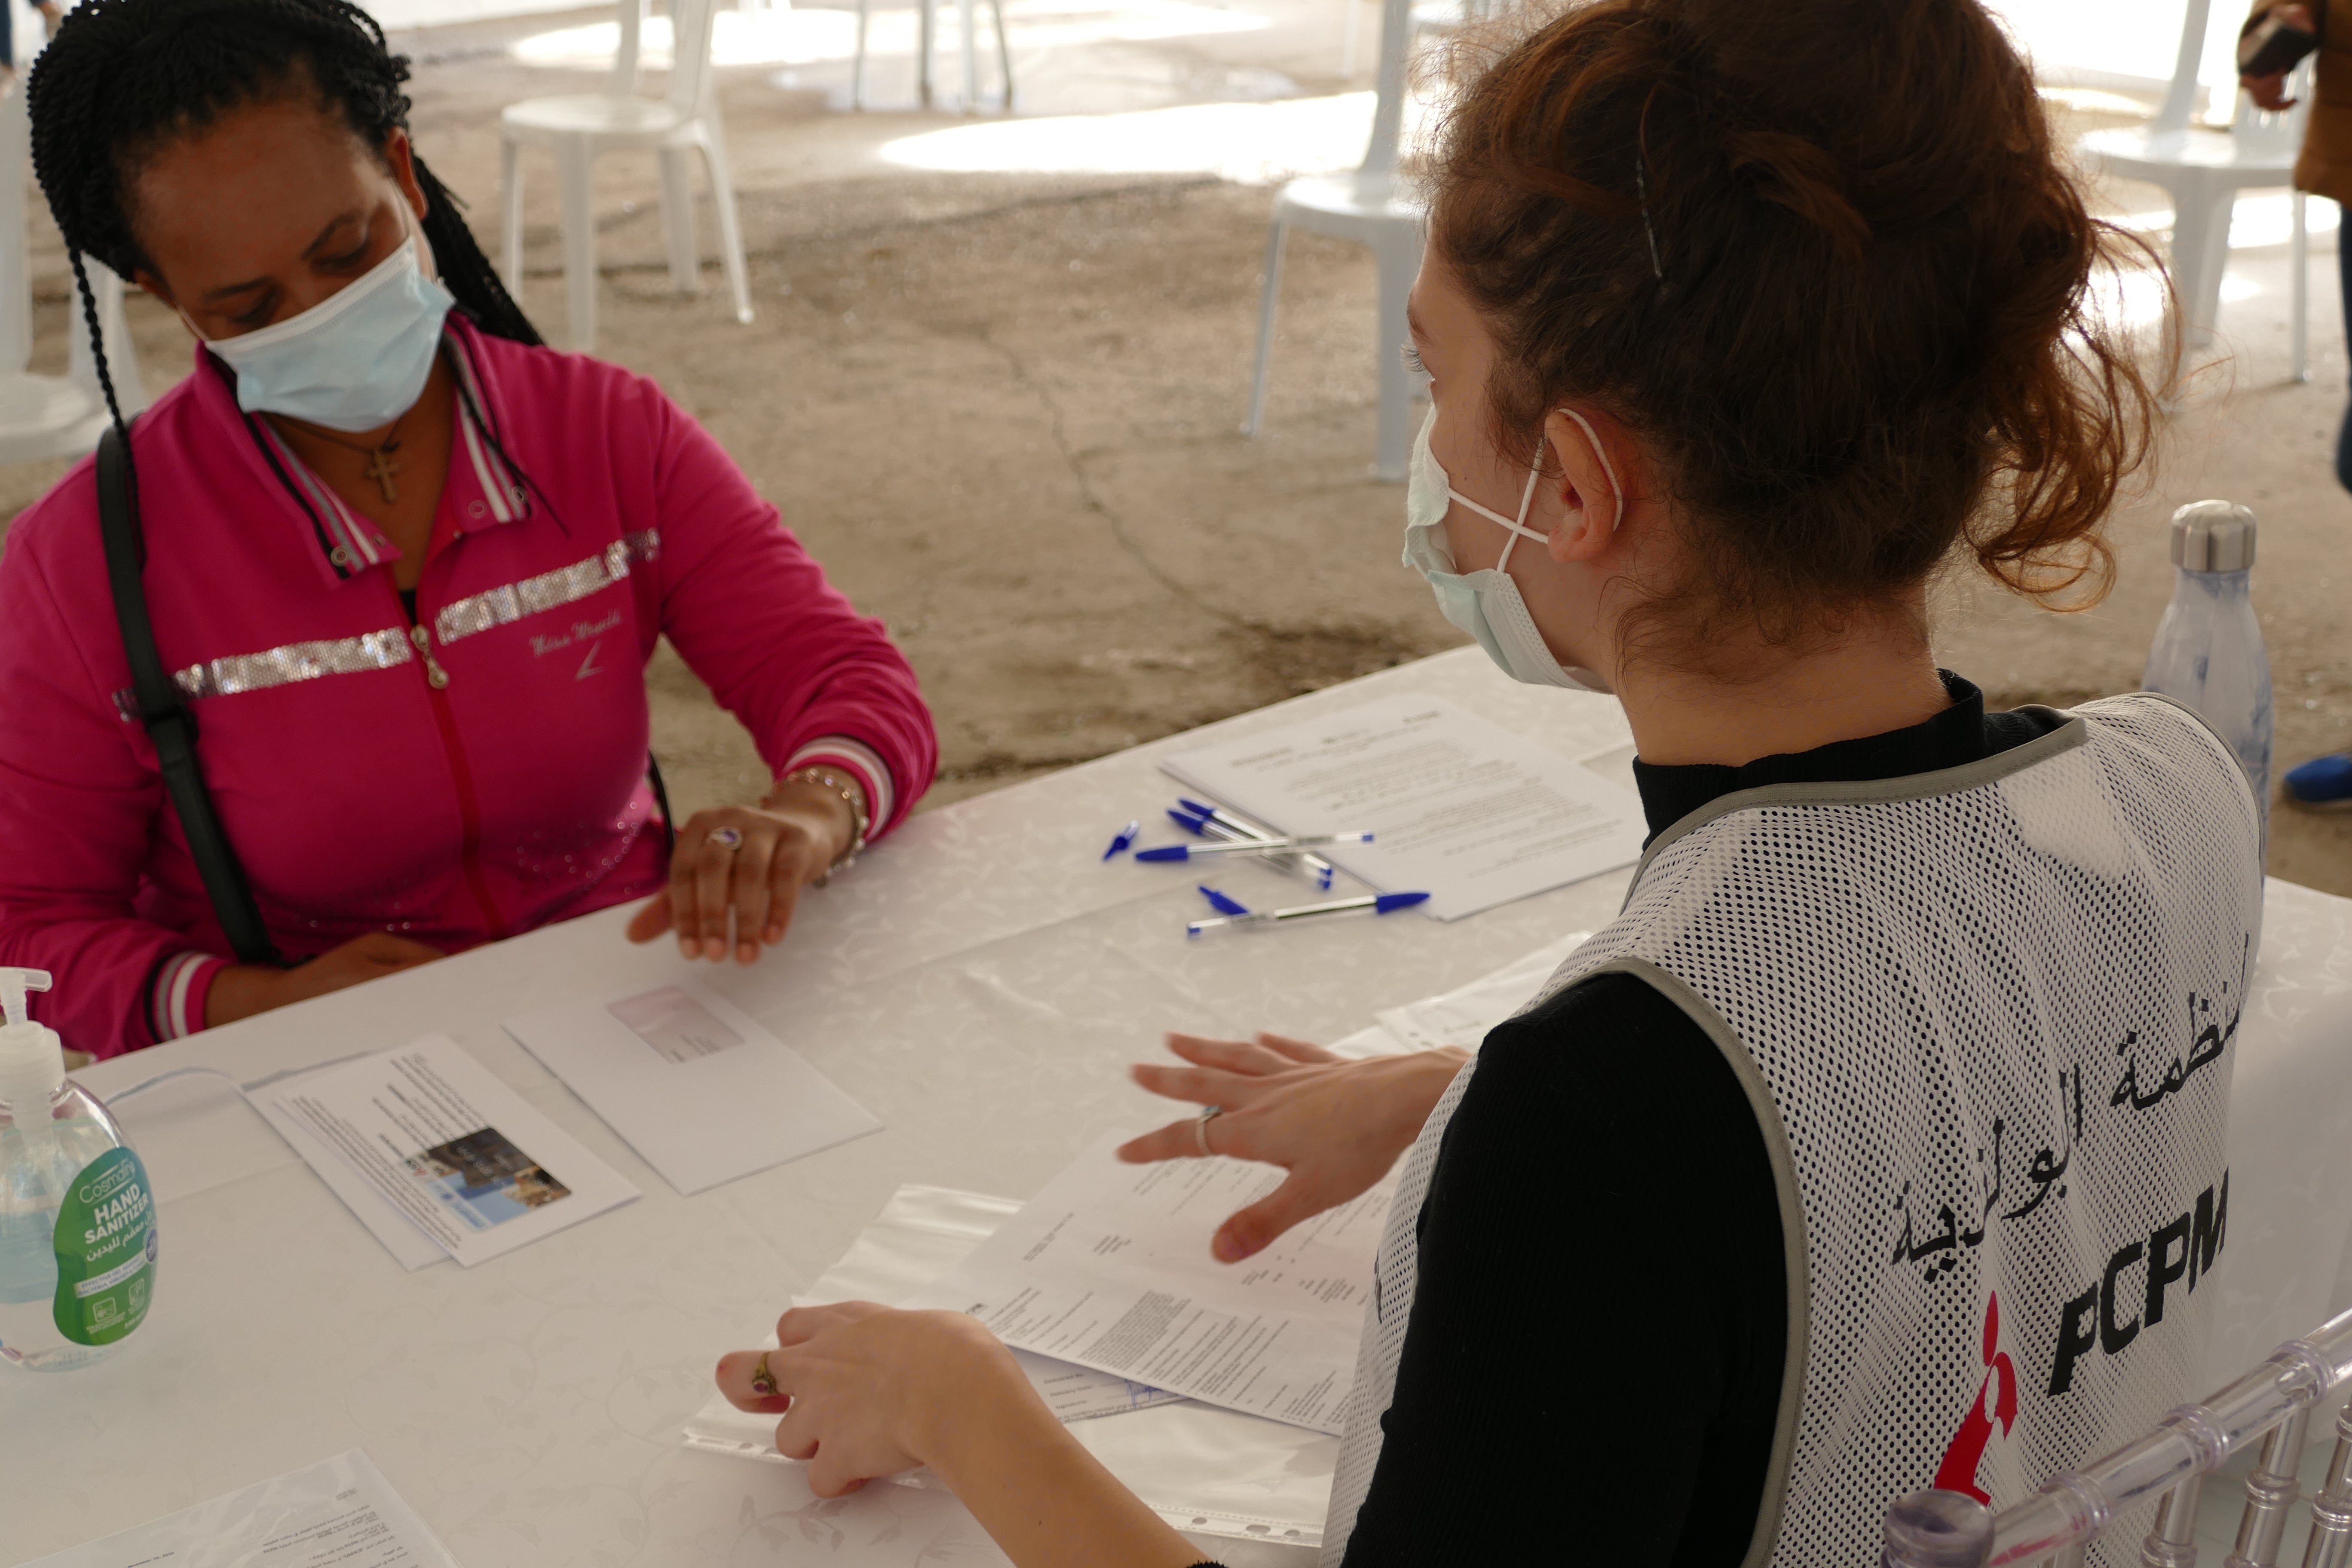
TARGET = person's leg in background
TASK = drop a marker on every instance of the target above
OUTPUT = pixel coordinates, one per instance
(2344, 283)
(2325, 784)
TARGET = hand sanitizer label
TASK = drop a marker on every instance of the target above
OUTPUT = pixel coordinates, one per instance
(106, 1250)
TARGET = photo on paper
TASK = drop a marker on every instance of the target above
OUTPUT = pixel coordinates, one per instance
(482, 1180)
(676, 1024)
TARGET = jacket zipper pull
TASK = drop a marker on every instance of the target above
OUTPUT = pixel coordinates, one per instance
(435, 675)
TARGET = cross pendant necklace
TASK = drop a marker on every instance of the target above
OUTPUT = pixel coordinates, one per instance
(381, 465)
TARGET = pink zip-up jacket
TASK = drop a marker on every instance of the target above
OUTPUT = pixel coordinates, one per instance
(477, 774)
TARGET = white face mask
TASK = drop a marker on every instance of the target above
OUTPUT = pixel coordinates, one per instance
(1486, 604)
(356, 361)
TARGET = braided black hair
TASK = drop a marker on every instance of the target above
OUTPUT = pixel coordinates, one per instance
(122, 76)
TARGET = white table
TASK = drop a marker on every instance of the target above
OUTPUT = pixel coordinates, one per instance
(980, 982)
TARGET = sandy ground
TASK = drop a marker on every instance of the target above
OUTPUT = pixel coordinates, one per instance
(1002, 408)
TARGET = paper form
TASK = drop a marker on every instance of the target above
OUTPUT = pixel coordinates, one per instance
(693, 1082)
(1461, 808)
(338, 1513)
(423, 1140)
(1110, 1267)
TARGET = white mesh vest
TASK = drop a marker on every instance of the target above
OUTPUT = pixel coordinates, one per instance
(1985, 1016)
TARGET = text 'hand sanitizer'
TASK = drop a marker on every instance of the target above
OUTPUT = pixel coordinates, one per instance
(76, 1219)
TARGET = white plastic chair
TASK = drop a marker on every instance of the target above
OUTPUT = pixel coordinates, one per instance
(929, 45)
(683, 121)
(2273, 1402)
(1373, 207)
(51, 416)
(2203, 171)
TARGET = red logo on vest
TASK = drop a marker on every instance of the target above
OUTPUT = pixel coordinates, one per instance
(1957, 1473)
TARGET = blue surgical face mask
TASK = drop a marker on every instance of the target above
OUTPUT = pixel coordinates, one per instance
(356, 361)
(1486, 604)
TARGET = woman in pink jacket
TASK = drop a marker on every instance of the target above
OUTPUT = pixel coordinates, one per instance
(403, 566)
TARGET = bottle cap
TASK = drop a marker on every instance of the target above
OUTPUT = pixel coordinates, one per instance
(32, 1058)
(2213, 536)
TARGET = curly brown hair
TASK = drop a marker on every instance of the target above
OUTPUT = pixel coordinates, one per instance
(1821, 257)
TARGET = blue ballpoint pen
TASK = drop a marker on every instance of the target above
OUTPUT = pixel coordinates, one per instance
(1250, 847)
(1379, 903)
(1212, 819)
(1122, 838)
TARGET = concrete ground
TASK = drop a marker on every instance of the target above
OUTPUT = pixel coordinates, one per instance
(999, 398)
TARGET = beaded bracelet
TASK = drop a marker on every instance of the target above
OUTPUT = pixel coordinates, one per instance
(849, 791)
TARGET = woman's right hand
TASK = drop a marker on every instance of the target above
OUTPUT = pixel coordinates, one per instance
(2269, 92)
(244, 989)
(1336, 1125)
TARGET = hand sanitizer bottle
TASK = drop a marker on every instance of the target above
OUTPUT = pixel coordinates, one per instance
(2209, 650)
(76, 1219)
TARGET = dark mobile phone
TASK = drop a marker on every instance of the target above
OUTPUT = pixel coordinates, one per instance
(2273, 46)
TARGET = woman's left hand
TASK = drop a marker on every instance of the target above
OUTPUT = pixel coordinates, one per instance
(868, 1391)
(750, 863)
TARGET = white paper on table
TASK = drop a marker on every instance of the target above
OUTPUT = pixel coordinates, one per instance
(920, 1233)
(1209, 1472)
(1462, 1016)
(425, 1133)
(692, 1082)
(1461, 808)
(1109, 1267)
(410, 1248)
(339, 1512)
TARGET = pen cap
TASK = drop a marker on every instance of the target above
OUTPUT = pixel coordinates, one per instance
(32, 1058)
(2213, 536)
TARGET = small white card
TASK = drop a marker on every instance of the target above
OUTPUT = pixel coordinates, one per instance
(423, 1142)
(338, 1513)
(693, 1082)
(1461, 809)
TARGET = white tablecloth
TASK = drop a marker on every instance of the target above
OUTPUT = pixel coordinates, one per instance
(980, 982)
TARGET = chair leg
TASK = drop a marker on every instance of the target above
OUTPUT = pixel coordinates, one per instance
(510, 203)
(970, 52)
(2299, 254)
(730, 233)
(678, 220)
(2200, 251)
(573, 163)
(858, 65)
(1004, 54)
(1393, 442)
(1273, 291)
(927, 31)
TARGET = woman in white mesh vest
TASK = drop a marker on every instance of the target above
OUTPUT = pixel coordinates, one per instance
(1879, 1144)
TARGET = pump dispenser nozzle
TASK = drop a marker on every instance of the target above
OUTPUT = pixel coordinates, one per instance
(14, 983)
(32, 1058)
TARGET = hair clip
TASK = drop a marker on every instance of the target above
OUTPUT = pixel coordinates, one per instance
(1641, 184)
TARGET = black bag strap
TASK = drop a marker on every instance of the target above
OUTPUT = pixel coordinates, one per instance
(661, 799)
(168, 723)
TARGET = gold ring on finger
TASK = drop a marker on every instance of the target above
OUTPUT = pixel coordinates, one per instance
(763, 1382)
(732, 838)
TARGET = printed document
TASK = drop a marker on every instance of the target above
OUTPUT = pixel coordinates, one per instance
(693, 1082)
(423, 1143)
(1110, 1267)
(1461, 808)
(338, 1513)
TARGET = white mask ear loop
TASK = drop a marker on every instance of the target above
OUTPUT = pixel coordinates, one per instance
(1519, 529)
(1618, 490)
(1518, 526)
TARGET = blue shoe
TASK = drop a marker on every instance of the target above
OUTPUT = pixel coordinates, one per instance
(2323, 784)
